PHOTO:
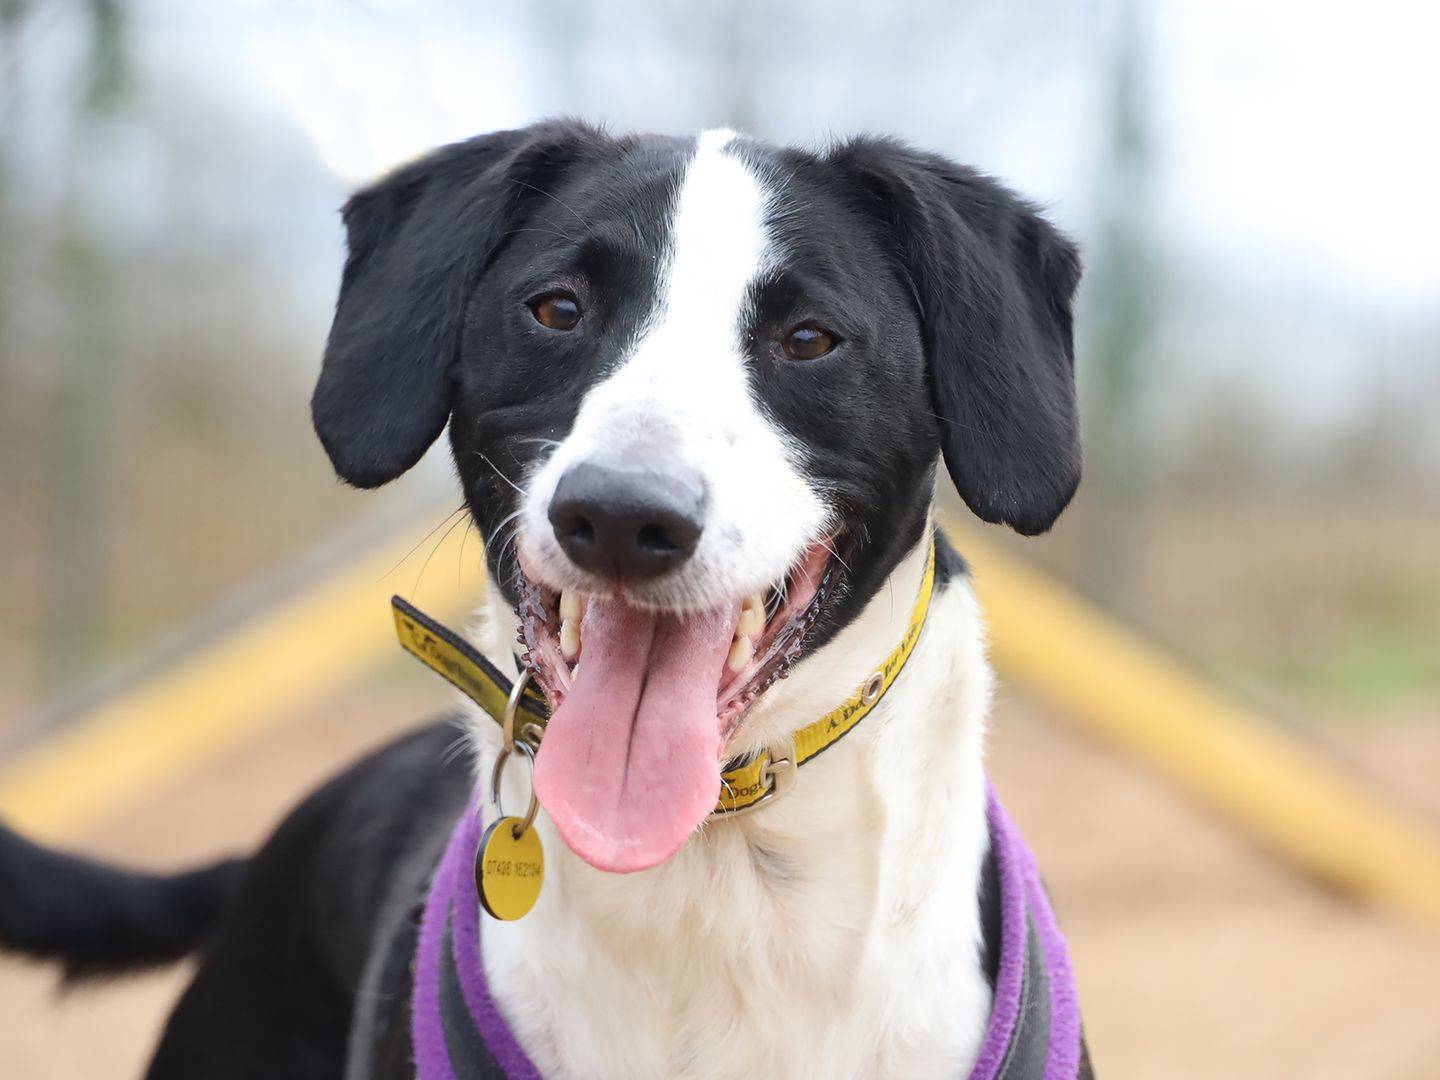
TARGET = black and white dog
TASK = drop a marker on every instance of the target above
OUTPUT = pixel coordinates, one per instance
(697, 390)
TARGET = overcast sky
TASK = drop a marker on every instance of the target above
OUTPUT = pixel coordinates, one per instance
(1294, 136)
(1295, 164)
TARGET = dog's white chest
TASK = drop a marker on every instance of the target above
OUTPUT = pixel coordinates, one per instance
(776, 970)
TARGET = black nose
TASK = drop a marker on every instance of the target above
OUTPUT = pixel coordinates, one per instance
(628, 524)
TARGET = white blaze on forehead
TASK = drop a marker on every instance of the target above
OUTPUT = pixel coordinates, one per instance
(691, 356)
(719, 242)
(683, 396)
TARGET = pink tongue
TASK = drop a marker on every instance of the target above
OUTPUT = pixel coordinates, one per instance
(630, 762)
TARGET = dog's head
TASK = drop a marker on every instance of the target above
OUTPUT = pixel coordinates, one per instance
(696, 392)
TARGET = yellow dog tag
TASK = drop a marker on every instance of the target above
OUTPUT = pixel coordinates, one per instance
(509, 868)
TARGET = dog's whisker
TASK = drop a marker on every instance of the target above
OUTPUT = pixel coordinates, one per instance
(438, 545)
(828, 546)
(452, 752)
(552, 197)
(460, 560)
(544, 232)
(501, 474)
(440, 525)
(959, 424)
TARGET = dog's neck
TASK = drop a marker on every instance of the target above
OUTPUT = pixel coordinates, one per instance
(772, 925)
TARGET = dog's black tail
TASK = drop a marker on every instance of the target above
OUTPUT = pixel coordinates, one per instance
(96, 919)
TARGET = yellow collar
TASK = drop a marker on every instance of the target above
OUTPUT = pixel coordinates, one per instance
(743, 786)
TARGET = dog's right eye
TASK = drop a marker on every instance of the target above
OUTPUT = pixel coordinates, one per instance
(556, 311)
(808, 342)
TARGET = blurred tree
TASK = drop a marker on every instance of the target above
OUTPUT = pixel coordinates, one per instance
(12, 14)
(85, 377)
(1118, 305)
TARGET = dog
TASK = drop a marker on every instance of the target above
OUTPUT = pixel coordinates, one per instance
(697, 392)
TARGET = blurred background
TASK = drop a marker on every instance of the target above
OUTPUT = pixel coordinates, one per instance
(1259, 354)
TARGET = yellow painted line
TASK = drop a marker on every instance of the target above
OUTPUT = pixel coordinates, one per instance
(1110, 683)
(234, 691)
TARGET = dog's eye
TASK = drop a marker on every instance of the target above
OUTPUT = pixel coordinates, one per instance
(557, 311)
(808, 342)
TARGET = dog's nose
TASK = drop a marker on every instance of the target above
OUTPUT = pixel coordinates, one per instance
(628, 524)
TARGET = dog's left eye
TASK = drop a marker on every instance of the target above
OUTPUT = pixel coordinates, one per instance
(808, 342)
(556, 311)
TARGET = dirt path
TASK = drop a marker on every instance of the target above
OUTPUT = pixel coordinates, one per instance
(1197, 956)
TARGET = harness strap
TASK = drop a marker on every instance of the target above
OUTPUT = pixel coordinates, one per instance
(1033, 1032)
(456, 1027)
(1034, 1028)
(468, 1056)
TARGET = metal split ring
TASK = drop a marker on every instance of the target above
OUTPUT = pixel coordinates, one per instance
(529, 736)
(512, 706)
(495, 774)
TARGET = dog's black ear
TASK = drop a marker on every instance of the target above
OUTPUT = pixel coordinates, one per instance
(993, 283)
(419, 240)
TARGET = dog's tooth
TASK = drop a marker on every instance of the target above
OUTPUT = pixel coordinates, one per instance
(740, 653)
(752, 617)
(572, 605)
(569, 639)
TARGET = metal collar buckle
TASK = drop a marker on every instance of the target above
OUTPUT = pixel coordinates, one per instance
(780, 772)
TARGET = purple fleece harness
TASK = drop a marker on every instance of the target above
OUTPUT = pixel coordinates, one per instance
(459, 1034)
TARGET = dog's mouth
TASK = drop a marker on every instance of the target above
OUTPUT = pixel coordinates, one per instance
(644, 703)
